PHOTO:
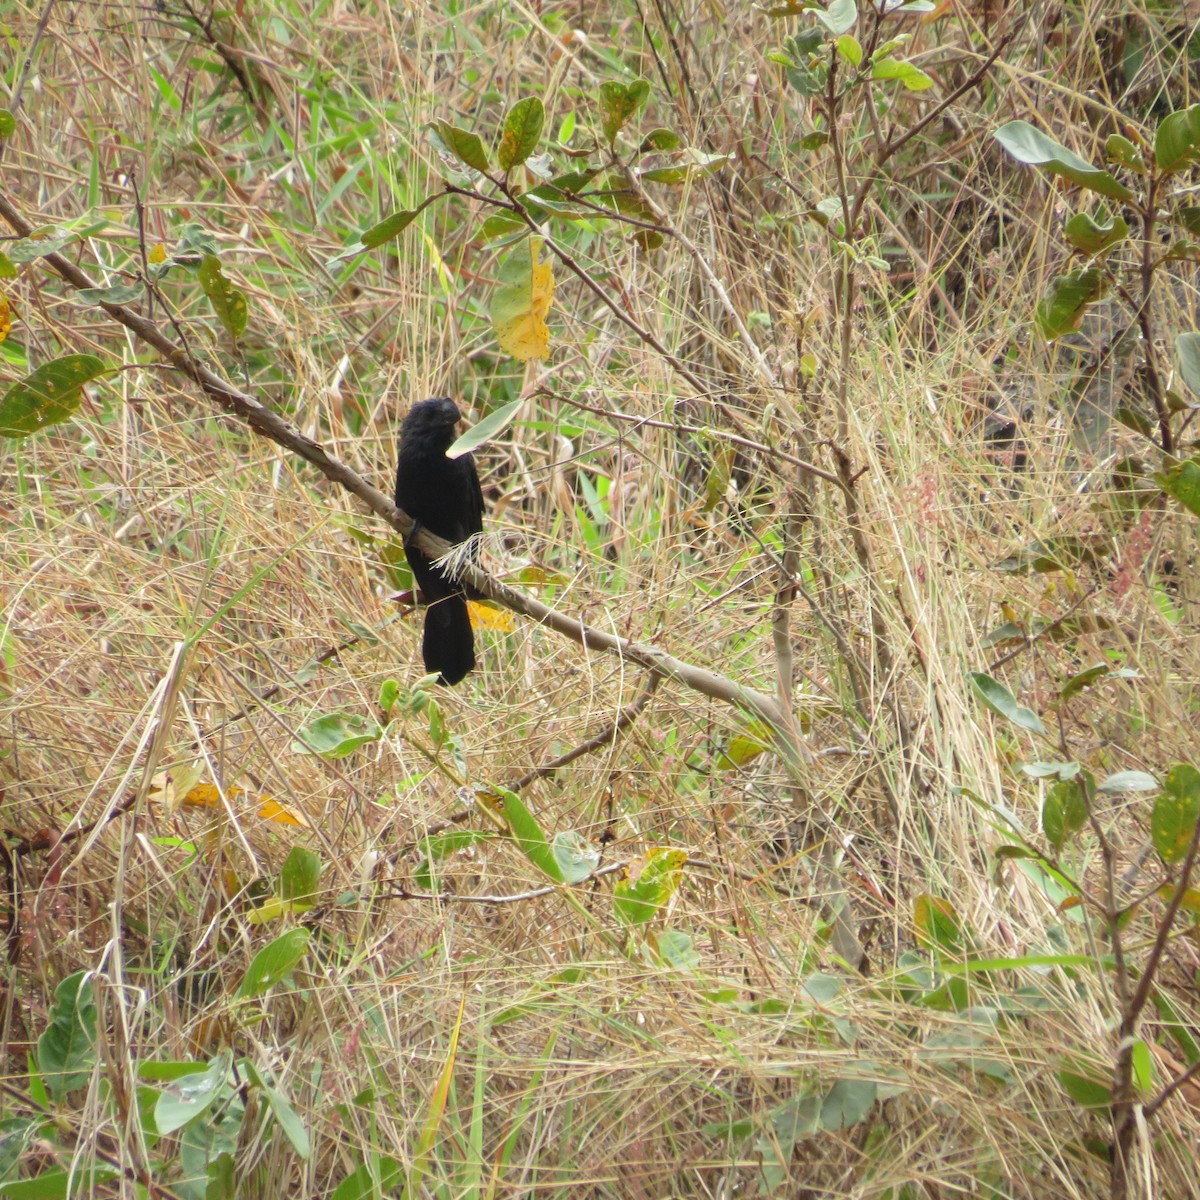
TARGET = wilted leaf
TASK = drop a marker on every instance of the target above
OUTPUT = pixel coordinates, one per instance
(648, 885)
(485, 615)
(521, 304)
(938, 925)
(229, 303)
(619, 104)
(522, 131)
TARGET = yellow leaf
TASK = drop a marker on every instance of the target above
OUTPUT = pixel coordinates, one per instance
(158, 253)
(272, 810)
(488, 616)
(521, 304)
(5, 317)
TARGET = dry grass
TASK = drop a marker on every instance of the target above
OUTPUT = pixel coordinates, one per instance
(162, 569)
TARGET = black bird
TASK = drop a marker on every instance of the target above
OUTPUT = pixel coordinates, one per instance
(442, 495)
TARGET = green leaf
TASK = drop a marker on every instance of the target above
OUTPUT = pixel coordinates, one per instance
(1177, 139)
(1143, 1066)
(380, 1176)
(300, 876)
(619, 104)
(1128, 781)
(48, 395)
(121, 293)
(847, 1103)
(188, 1096)
(59, 1185)
(743, 749)
(273, 962)
(282, 1111)
(913, 78)
(47, 241)
(938, 925)
(661, 140)
(463, 145)
(1032, 147)
(501, 225)
(66, 1050)
(16, 1133)
(1000, 700)
(1176, 811)
(229, 303)
(1086, 1090)
(337, 735)
(8, 123)
(1061, 310)
(577, 858)
(850, 49)
(1121, 150)
(1187, 350)
(1064, 812)
(838, 16)
(1089, 235)
(528, 835)
(390, 227)
(1086, 678)
(1051, 770)
(7, 270)
(522, 131)
(485, 430)
(1180, 481)
(690, 164)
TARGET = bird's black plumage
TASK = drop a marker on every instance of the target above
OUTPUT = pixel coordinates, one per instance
(442, 495)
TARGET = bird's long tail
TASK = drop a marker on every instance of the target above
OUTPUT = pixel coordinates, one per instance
(448, 645)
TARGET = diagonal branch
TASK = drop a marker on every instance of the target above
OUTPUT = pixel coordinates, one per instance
(269, 424)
